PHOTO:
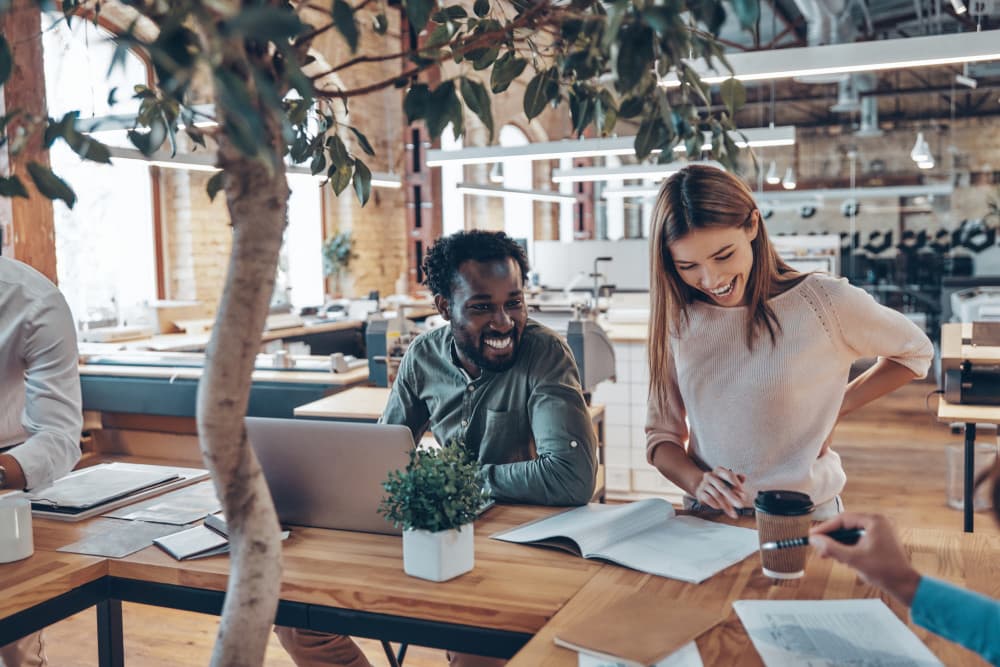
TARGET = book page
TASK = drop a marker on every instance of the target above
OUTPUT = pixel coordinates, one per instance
(825, 633)
(178, 508)
(593, 526)
(684, 547)
(686, 656)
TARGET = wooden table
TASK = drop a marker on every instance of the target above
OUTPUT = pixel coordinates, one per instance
(366, 404)
(970, 415)
(333, 581)
(968, 560)
(514, 600)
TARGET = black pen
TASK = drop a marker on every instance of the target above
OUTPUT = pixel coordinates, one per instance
(842, 535)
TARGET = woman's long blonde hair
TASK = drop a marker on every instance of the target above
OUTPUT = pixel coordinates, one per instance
(697, 197)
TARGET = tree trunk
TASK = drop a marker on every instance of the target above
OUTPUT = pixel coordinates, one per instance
(257, 200)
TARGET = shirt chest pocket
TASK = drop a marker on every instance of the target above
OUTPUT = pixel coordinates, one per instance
(506, 438)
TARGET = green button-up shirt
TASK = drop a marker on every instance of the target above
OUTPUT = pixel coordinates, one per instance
(529, 426)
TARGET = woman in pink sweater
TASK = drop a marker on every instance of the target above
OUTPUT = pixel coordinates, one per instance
(749, 359)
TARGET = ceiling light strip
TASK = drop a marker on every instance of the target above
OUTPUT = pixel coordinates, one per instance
(805, 196)
(873, 56)
(783, 135)
(511, 193)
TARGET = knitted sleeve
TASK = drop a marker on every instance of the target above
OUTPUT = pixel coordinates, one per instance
(666, 420)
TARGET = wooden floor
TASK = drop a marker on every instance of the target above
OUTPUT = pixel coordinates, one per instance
(893, 450)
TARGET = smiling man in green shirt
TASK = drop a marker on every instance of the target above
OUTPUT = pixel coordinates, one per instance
(505, 386)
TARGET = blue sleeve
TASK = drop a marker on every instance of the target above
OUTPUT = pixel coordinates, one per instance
(961, 616)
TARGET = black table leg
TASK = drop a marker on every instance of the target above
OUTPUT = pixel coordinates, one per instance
(970, 469)
(110, 646)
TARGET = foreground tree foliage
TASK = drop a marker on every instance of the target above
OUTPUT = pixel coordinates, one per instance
(276, 102)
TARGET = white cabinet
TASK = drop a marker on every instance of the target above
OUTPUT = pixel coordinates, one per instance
(627, 473)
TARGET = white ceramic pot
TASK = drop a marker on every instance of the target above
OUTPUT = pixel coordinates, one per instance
(438, 556)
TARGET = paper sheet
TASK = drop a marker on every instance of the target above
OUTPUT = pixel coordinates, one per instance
(180, 507)
(118, 539)
(825, 633)
(686, 656)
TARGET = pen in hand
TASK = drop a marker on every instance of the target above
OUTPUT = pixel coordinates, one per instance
(848, 536)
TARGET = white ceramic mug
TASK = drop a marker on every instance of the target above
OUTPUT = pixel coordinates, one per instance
(16, 541)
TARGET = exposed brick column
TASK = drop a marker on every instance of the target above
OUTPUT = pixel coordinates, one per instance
(31, 224)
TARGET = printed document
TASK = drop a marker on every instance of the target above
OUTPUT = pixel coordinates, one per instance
(825, 633)
(645, 535)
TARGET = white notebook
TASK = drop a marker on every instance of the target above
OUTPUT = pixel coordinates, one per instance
(645, 535)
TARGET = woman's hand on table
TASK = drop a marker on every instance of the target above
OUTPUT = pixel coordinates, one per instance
(722, 489)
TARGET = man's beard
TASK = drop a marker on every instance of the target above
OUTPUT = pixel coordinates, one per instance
(477, 355)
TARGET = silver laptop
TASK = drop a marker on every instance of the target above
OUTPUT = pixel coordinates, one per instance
(329, 474)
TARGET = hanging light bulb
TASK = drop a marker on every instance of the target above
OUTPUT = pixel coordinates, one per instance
(789, 181)
(772, 174)
(921, 151)
(926, 164)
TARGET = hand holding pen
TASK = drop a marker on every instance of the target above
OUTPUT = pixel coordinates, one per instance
(849, 536)
(877, 556)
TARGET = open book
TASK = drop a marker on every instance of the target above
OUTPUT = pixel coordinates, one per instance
(643, 630)
(645, 535)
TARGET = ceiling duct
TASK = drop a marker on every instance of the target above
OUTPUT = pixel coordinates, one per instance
(828, 22)
(868, 107)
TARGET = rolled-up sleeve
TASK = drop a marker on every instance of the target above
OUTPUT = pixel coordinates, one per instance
(961, 616)
(405, 406)
(565, 469)
(53, 416)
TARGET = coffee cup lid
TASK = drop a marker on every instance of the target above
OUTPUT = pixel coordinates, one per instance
(787, 503)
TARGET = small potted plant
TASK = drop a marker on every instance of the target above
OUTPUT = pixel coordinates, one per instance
(337, 256)
(435, 500)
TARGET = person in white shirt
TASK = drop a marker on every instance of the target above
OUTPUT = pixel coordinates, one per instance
(40, 407)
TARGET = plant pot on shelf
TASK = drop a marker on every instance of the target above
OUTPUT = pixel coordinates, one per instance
(438, 556)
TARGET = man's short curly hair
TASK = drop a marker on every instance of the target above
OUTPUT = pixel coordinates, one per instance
(443, 259)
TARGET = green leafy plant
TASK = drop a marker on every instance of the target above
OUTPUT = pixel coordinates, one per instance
(438, 490)
(337, 253)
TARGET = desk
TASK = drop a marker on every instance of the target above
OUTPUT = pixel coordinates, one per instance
(365, 404)
(971, 415)
(333, 581)
(172, 390)
(970, 560)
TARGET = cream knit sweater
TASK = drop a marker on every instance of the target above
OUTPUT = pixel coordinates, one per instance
(765, 412)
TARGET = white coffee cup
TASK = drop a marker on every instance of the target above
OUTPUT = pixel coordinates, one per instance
(16, 540)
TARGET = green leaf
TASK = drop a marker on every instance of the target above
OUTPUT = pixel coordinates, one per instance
(507, 68)
(748, 12)
(362, 181)
(12, 187)
(343, 18)
(541, 89)
(710, 12)
(478, 101)
(214, 184)
(338, 152)
(362, 141)
(481, 8)
(453, 13)
(318, 163)
(606, 113)
(650, 135)
(415, 102)
(418, 11)
(439, 108)
(734, 95)
(631, 107)
(265, 24)
(381, 24)
(6, 61)
(51, 185)
(340, 177)
(635, 56)
(486, 58)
